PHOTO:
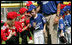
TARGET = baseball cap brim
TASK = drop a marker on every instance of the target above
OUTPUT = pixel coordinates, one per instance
(31, 7)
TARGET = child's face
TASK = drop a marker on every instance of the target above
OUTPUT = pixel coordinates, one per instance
(25, 13)
(33, 12)
(67, 11)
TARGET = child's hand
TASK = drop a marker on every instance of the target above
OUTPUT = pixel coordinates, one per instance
(28, 25)
(44, 30)
(62, 34)
(13, 33)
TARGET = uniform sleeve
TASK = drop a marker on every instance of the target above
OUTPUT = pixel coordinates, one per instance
(70, 19)
(43, 18)
(66, 21)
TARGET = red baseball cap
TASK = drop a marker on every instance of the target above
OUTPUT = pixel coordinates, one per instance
(12, 15)
(28, 3)
(9, 15)
(69, 4)
(15, 14)
(22, 10)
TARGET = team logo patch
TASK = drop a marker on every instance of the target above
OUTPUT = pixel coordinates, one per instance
(61, 26)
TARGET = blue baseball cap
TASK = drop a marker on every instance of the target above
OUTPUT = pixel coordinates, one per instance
(64, 9)
(31, 7)
(67, 8)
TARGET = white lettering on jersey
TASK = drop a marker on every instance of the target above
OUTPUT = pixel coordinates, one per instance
(38, 25)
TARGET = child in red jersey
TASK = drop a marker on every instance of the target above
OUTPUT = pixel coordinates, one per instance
(11, 16)
(28, 16)
(24, 33)
(4, 33)
(27, 21)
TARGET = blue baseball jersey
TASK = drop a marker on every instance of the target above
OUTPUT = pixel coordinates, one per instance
(39, 20)
(67, 20)
(61, 25)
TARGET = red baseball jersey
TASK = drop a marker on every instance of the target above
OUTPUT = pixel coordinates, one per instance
(25, 21)
(5, 32)
(18, 26)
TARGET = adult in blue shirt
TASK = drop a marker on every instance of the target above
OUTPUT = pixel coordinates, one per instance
(47, 7)
(38, 22)
(68, 22)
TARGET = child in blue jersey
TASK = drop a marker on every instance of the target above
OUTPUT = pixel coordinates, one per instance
(68, 15)
(67, 20)
(38, 22)
(61, 29)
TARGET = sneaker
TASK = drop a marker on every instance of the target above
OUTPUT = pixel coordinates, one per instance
(31, 41)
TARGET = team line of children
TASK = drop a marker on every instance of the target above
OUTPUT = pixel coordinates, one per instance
(64, 28)
(29, 20)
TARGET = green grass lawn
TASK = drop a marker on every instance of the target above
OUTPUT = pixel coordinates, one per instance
(20, 39)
